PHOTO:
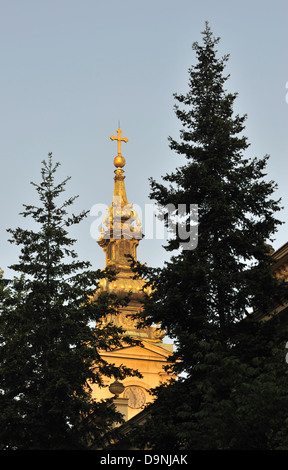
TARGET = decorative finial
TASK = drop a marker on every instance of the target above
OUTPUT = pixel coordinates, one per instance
(116, 388)
(119, 161)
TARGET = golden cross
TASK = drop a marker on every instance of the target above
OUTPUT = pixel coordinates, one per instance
(120, 139)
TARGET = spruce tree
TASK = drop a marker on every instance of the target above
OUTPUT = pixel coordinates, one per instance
(49, 345)
(232, 388)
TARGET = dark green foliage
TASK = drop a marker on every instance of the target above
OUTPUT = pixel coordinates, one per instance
(232, 393)
(49, 346)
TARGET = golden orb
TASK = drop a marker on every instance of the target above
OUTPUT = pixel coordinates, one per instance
(119, 161)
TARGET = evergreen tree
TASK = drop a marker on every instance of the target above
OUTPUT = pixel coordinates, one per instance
(232, 389)
(49, 346)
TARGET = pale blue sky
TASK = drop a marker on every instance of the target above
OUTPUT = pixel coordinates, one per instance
(71, 69)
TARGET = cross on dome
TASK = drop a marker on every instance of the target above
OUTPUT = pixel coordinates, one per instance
(120, 139)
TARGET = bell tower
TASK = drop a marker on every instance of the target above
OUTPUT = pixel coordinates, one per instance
(120, 235)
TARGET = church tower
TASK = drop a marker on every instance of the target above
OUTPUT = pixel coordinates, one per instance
(121, 233)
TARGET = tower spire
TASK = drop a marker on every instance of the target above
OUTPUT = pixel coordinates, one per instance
(119, 163)
(121, 230)
(120, 235)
